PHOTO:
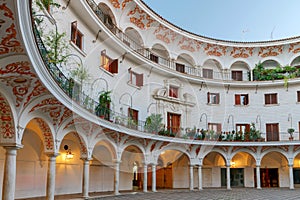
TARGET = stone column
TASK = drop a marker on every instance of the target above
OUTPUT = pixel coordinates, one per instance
(9, 178)
(228, 177)
(291, 176)
(153, 178)
(191, 177)
(117, 177)
(85, 178)
(145, 178)
(51, 177)
(258, 185)
(200, 187)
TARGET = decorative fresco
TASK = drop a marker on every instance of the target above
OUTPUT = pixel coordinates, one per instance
(242, 52)
(9, 42)
(140, 18)
(270, 51)
(295, 47)
(189, 44)
(48, 139)
(164, 34)
(7, 122)
(215, 50)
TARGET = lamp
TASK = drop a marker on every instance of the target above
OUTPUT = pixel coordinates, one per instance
(69, 154)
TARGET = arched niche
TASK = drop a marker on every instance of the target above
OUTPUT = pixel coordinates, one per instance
(172, 170)
(296, 62)
(108, 16)
(239, 71)
(186, 60)
(133, 35)
(212, 69)
(160, 51)
(270, 64)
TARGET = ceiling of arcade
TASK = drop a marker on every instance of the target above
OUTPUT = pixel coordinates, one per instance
(133, 14)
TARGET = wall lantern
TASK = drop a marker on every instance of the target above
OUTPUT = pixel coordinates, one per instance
(69, 154)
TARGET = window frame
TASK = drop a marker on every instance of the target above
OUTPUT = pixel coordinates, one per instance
(298, 96)
(238, 99)
(108, 63)
(139, 78)
(173, 91)
(207, 73)
(237, 75)
(271, 99)
(216, 127)
(209, 98)
(76, 35)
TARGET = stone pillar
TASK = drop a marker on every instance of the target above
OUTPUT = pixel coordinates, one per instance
(117, 177)
(200, 187)
(291, 177)
(51, 176)
(85, 178)
(153, 178)
(228, 177)
(9, 178)
(191, 177)
(258, 185)
(145, 178)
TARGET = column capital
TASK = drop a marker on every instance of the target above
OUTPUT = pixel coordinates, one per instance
(12, 146)
(291, 165)
(115, 161)
(50, 155)
(86, 159)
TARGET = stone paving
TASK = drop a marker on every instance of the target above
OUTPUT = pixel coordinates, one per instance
(211, 194)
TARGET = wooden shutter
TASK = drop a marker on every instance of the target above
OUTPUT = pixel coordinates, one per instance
(113, 67)
(139, 80)
(218, 98)
(154, 58)
(74, 31)
(267, 99)
(298, 96)
(208, 97)
(247, 128)
(219, 128)
(274, 99)
(237, 99)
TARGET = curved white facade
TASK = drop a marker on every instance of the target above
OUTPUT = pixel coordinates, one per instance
(151, 67)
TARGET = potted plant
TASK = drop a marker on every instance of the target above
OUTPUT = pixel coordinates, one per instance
(154, 123)
(291, 132)
(102, 109)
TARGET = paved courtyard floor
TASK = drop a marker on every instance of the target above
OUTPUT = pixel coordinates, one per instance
(211, 194)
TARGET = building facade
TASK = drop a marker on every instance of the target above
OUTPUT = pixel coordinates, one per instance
(105, 95)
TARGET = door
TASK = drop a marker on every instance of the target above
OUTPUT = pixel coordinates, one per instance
(173, 123)
(272, 132)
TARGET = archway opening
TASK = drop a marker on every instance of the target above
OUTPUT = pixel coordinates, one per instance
(212, 173)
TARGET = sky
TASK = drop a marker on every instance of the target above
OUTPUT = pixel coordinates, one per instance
(236, 20)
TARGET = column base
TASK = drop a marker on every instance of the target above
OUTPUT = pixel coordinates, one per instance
(117, 193)
(259, 188)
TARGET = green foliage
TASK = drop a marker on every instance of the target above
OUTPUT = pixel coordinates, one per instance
(45, 4)
(154, 123)
(102, 109)
(80, 73)
(278, 73)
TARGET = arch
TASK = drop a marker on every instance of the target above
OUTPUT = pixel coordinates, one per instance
(43, 130)
(175, 148)
(186, 59)
(7, 121)
(160, 50)
(240, 65)
(271, 63)
(213, 62)
(243, 159)
(133, 147)
(280, 151)
(109, 16)
(134, 35)
(108, 147)
(244, 150)
(295, 61)
(214, 156)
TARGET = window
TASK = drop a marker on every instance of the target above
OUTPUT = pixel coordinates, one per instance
(154, 58)
(173, 91)
(109, 64)
(76, 35)
(298, 96)
(216, 127)
(133, 118)
(272, 132)
(237, 75)
(173, 122)
(270, 98)
(241, 99)
(243, 128)
(213, 98)
(136, 79)
(207, 73)
(180, 67)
